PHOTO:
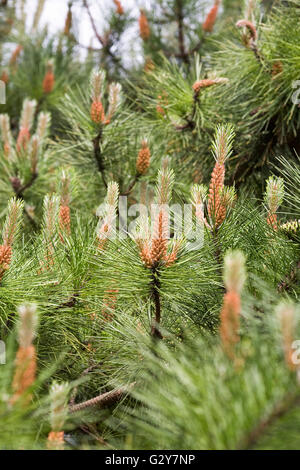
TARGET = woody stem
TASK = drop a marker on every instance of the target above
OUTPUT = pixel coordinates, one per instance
(157, 305)
(184, 56)
(282, 407)
(190, 122)
(19, 192)
(98, 155)
(131, 185)
(257, 53)
(217, 248)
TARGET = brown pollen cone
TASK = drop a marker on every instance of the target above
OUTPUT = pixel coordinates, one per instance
(4, 77)
(159, 240)
(272, 220)
(5, 258)
(55, 440)
(205, 83)
(23, 139)
(119, 7)
(109, 304)
(97, 112)
(64, 219)
(210, 19)
(15, 54)
(48, 82)
(230, 321)
(25, 371)
(143, 159)
(215, 188)
(144, 26)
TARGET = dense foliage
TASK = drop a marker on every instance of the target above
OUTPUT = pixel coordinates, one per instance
(150, 227)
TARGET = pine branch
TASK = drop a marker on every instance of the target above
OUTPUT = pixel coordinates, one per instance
(217, 248)
(157, 304)
(18, 189)
(279, 410)
(19, 192)
(71, 302)
(98, 155)
(179, 10)
(190, 120)
(93, 24)
(104, 400)
(91, 430)
(105, 44)
(286, 283)
(131, 185)
(259, 57)
(197, 46)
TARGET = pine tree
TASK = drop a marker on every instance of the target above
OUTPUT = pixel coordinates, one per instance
(150, 227)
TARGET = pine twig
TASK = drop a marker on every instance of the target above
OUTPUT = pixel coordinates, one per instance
(285, 284)
(104, 400)
(217, 249)
(197, 46)
(183, 54)
(19, 192)
(260, 59)
(98, 155)
(71, 302)
(103, 43)
(91, 430)
(279, 410)
(190, 123)
(157, 304)
(93, 24)
(131, 185)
